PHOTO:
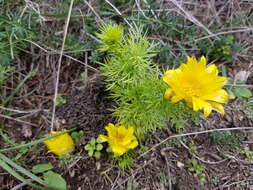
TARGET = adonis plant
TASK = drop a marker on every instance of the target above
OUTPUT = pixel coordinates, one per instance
(135, 83)
(145, 100)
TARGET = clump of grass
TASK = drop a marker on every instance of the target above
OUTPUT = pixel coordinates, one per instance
(225, 138)
(135, 82)
(197, 170)
(221, 49)
(5, 71)
(16, 27)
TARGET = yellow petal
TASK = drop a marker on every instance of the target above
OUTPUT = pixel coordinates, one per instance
(133, 145)
(111, 130)
(221, 97)
(103, 138)
(191, 60)
(122, 131)
(128, 139)
(223, 80)
(60, 145)
(118, 150)
(130, 130)
(207, 110)
(182, 66)
(176, 99)
(218, 107)
(197, 104)
(212, 69)
(168, 94)
(168, 75)
(202, 61)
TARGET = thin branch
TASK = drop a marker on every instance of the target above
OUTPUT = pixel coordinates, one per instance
(118, 13)
(93, 10)
(191, 134)
(247, 29)
(17, 120)
(192, 18)
(52, 51)
(18, 111)
(137, 2)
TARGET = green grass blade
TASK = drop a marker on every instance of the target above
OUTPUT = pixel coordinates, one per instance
(16, 175)
(9, 98)
(21, 169)
(6, 138)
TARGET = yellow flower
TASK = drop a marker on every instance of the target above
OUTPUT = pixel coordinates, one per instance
(199, 85)
(60, 145)
(120, 138)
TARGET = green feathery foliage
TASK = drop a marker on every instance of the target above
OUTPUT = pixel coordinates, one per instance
(110, 35)
(135, 82)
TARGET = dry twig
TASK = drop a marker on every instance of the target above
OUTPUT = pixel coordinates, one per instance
(191, 134)
(59, 63)
(18, 120)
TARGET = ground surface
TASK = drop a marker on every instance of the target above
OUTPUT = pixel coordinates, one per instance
(88, 107)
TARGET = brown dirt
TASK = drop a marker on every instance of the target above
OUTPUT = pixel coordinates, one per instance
(87, 109)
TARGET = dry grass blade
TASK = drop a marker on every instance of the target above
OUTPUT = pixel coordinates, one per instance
(93, 10)
(19, 111)
(191, 134)
(59, 63)
(52, 51)
(192, 18)
(17, 120)
(247, 29)
(118, 12)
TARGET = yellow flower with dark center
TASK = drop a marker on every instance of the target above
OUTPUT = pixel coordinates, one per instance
(120, 138)
(60, 145)
(198, 84)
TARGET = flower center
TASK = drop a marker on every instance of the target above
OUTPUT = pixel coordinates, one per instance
(119, 137)
(189, 90)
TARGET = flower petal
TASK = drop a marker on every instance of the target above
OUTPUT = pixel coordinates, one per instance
(212, 69)
(111, 130)
(197, 103)
(122, 131)
(182, 67)
(218, 107)
(168, 75)
(176, 99)
(221, 97)
(191, 60)
(168, 94)
(119, 150)
(202, 61)
(130, 130)
(133, 145)
(207, 110)
(103, 138)
(60, 145)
